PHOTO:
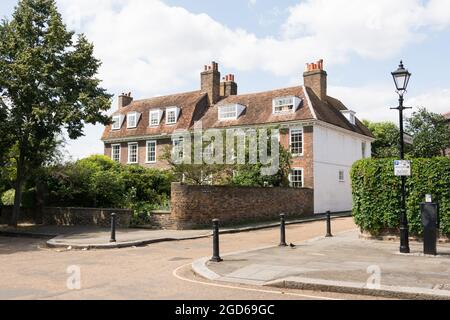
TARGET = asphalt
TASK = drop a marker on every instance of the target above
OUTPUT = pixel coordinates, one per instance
(345, 264)
(87, 238)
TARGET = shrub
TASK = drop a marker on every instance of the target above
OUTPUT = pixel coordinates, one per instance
(98, 182)
(377, 192)
(8, 197)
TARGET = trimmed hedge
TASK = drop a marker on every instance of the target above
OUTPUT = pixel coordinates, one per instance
(376, 193)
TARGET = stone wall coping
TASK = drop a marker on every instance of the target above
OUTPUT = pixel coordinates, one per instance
(161, 212)
(92, 209)
(236, 187)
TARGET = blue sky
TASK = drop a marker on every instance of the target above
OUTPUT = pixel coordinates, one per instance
(152, 47)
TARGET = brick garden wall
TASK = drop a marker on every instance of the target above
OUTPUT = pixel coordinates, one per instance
(86, 217)
(195, 206)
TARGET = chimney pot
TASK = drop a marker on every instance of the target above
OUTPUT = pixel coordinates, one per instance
(210, 82)
(125, 99)
(315, 78)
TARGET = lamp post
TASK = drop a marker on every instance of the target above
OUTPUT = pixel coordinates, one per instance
(401, 79)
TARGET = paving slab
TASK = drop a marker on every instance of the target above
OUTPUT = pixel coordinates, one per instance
(344, 263)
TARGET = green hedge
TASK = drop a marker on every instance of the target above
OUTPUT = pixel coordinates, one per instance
(376, 193)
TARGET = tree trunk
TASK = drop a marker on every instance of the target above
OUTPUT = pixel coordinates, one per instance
(19, 186)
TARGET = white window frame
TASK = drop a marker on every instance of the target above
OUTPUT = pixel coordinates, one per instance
(341, 179)
(112, 152)
(296, 103)
(238, 109)
(350, 115)
(176, 110)
(158, 114)
(137, 116)
(116, 119)
(291, 183)
(137, 152)
(155, 143)
(177, 148)
(297, 129)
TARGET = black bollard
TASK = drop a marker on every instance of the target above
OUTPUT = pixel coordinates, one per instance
(329, 235)
(113, 228)
(216, 249)
(283, 231)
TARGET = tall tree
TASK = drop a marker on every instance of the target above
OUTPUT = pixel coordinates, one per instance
(431, 134)
(387, 139)
(48, 83)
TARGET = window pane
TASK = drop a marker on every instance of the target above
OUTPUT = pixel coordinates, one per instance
(116, 123)
(297, 178)
(116, 153)
(132, 121)
(296, 142)
(154, 118)
(132, 153)
(151, 151)
(178, 152)
(228, 112)
(171, 117)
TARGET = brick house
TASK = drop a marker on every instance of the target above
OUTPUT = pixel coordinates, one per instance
(324, 137)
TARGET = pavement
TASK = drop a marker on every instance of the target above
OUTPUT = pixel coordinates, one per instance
(344, 264)
(87, 238)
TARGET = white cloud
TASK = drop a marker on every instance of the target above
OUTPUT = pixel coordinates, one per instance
(373, 29)
(149, 47)
(374, 102)
(251, 3)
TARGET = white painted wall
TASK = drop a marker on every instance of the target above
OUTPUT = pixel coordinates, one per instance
(335, 150)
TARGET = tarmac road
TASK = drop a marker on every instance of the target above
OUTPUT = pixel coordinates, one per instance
(159, 271)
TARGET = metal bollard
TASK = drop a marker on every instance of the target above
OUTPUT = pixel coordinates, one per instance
(216, 252)
(113, 227)
(283, 231)
(329, 234)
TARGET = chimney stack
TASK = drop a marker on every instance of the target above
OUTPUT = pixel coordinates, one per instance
(125, 99)
(210, 82)
(228, 87)
(315, 78)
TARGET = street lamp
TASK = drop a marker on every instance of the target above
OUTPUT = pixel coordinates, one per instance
(401, 79)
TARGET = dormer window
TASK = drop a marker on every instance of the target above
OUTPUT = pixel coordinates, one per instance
(172, 115)
(285, 105)
(350, 115)
(117, 122)
(230, 112)
(133, 119)
(155, 117)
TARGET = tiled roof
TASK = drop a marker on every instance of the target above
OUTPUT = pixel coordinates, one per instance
(258, 110)
(189, 102)
(447, 115)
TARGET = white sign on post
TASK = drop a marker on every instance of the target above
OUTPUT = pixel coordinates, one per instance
(402, 168)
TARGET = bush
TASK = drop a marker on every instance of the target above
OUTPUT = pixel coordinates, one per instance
(8, 197)
(100, 182)
(377, 192)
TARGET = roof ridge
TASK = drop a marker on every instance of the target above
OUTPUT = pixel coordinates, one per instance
(170, 95)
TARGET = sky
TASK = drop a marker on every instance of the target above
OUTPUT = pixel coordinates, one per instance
(156, 47)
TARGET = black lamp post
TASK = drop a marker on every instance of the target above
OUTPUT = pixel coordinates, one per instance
(401, 79)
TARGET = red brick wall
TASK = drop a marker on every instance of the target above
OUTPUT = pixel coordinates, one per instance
(307, 160)
(194, 206)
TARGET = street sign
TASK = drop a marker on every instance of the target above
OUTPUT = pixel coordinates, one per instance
(402, 168)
